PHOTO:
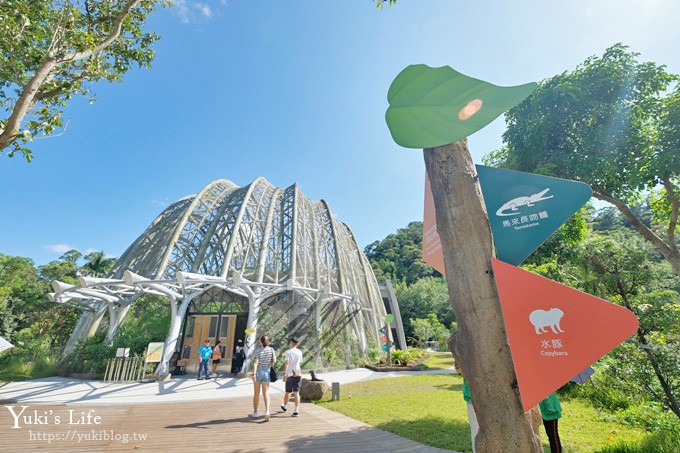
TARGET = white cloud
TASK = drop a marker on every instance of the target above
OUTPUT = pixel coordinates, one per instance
(190, 11)
(182, 10)
(204, 9)
(59, 248)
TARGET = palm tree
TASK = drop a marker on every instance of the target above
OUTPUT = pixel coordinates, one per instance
(97, 264)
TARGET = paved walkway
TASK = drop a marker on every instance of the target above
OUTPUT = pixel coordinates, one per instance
(181, 388)
(204, 426)
(205, 416)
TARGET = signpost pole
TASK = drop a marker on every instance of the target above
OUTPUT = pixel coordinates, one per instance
(389, 348)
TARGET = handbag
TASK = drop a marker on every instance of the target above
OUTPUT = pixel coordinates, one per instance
(272, 375)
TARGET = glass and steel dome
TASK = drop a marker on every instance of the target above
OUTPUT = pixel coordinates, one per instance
(271, 235)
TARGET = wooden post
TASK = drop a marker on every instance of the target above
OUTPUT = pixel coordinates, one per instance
(480, 344)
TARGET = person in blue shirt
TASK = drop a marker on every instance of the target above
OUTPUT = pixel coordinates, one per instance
(204, 354)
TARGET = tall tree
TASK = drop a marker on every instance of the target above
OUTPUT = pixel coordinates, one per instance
(97, 264)
(425, 296)
(605, 123)
(625, 274)
(51, 50)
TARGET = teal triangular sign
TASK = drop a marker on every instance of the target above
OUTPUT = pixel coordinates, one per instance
(525, 209)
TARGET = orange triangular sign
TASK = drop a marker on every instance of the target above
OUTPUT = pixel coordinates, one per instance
(555, 331)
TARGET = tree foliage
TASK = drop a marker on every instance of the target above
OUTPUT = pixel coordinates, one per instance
(381, 3)
(97, 264)
(399, 257)
(26, 316)
(51, 51)
(429, 328)
(625, 274)
(609, 123)
(425, 297)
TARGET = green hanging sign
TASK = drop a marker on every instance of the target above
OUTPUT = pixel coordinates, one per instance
(526, 209)
(432, 107)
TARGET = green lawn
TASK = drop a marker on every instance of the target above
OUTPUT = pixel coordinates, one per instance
(439, 361)
(430, 409)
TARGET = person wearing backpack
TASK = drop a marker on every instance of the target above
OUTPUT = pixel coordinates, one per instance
(216, 358)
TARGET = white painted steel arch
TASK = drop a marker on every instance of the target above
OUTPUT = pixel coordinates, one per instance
(269, 235)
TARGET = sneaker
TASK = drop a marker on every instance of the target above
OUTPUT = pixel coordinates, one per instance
(266, 417)
(295, 414)
(199, 378)
(284, 408)
(254, 415)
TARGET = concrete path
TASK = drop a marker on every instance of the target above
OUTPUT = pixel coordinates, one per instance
(177, 389)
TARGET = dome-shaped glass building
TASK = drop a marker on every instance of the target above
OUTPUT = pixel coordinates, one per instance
(287, 267)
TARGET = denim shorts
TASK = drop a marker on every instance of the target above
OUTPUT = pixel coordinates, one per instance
(262, 374)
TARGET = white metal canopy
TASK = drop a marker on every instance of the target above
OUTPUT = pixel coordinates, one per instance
(256, 241)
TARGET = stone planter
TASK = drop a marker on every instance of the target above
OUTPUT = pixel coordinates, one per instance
(312, 390)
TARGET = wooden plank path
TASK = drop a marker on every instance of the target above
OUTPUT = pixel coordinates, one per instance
(201, 426)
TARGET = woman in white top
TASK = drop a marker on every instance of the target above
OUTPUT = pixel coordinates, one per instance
(263, 359)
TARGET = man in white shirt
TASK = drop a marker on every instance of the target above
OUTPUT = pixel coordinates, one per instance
(293, 375)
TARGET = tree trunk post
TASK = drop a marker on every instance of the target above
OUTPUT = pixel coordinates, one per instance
(481, 341)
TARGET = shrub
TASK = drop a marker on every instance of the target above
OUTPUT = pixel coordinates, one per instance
(407, 357)
(26, 363)
(89, 357)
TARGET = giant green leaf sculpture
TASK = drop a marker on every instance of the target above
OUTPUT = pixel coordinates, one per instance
(432, 107)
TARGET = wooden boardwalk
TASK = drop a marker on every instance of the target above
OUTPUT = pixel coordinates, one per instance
(196, 427)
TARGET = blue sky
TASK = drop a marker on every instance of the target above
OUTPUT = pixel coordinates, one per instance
(292, 91)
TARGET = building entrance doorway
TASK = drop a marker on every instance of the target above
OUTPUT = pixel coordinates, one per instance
(216, 315)
(214, 328)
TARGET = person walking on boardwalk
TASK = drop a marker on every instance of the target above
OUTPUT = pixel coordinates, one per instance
(216, 358)
(293, 375)
(551, 411)
(204, 353)
(264, 358)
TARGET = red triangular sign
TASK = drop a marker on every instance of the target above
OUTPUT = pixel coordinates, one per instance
(555, 331)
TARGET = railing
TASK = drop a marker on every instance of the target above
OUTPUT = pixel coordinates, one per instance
(125, 369)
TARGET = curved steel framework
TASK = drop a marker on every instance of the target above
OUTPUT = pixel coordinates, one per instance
(302, 270)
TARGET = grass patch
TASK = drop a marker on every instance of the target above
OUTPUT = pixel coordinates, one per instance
(20, 367)
(430, 409)
(439, 361)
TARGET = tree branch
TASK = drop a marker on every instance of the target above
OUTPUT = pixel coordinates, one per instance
(58, 90)
(644, 230)
(111, 37)
(25, 103)
(63, 131)
(675, 207)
